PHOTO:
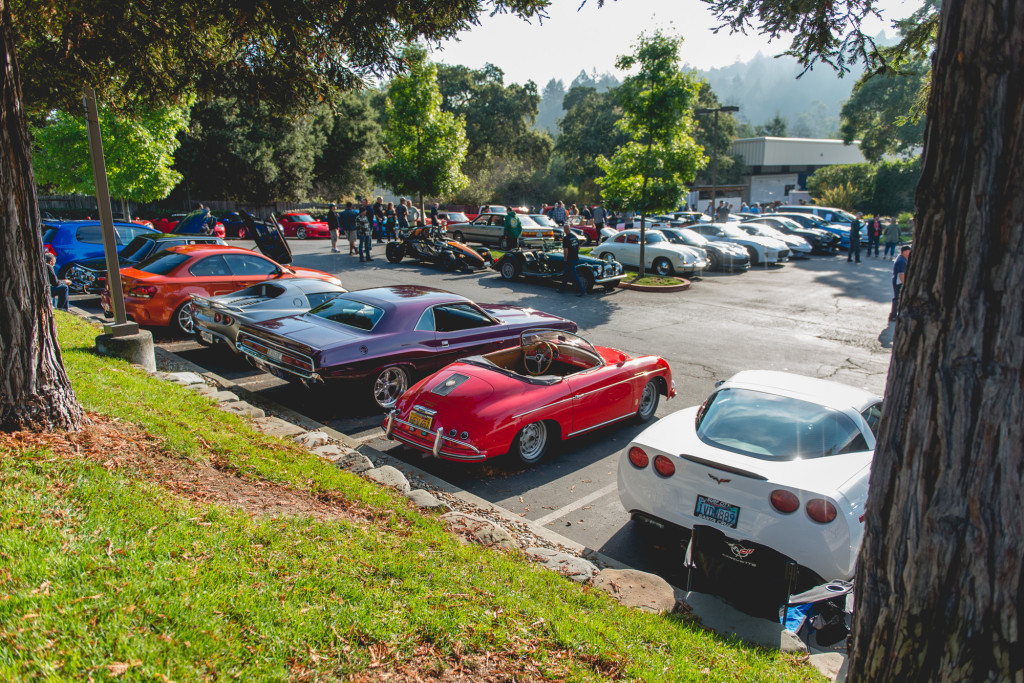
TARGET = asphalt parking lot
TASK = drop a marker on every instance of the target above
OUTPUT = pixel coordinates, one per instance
(821, 317)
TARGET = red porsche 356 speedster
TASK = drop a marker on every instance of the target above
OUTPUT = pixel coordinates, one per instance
(553, 386)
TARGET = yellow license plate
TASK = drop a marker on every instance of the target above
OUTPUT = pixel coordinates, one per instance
(421, 421)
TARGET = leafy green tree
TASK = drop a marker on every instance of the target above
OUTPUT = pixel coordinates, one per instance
(139, 152)
(939, 589)
(424, 146)
(777, 127)
(853, 183)
(550, 108)
(895, 184)
(730, 166)
(877, 112)
(144, 53)
(588, 130)
(649, 173)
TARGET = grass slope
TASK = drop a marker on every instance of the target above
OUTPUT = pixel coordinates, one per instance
(106, 571)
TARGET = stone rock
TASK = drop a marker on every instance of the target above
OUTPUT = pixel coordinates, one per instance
(203, 389)
(185, 378)
(311, 439)
(389, 476)
(634, 588)
(425, 499)
(332, 451)
(482, 531)
(160, 374)
(570, 566)
(831, 664)
(242, 408)
(345, 458)
(275, 426)
(224, 397)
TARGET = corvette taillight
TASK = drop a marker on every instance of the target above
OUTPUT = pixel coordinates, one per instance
(784, 501)
(638, 457)
(664, 466)
(820, 510)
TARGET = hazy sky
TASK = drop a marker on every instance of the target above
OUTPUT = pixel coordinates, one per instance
(592, 38)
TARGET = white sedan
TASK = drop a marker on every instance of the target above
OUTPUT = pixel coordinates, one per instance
(660, 255)
(798, 246)
(770, 457)
(762, 250)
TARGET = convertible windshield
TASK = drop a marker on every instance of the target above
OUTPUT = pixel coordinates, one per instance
(772, 427)
(349, 313)
(558, 338)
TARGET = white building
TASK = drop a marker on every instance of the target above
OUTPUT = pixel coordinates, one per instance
(777, 166)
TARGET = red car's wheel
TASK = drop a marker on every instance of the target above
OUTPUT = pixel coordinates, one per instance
(300, 232)
(648, 402)
(531, 443)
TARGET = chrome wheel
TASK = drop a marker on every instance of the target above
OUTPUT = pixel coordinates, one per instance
(531, 443)
(183, 318)
(648, 402)
(389, 385)
(300, 232)
(663, 267)
(607, 256)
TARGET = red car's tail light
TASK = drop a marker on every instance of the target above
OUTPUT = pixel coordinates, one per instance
(48, 248)
(142, 291)
(638, 457)
(664, 466)
(784, 501)
(820, 510)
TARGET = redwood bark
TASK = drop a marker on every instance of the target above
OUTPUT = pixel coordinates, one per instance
(34, 390)
(940, 572)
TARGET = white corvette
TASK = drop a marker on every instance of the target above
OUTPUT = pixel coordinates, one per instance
(762, 250)
(798, 246)
(660, 255)
(769, 457)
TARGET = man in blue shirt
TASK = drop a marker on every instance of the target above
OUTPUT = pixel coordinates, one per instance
(347, 221)
(571, 254)
(899, 274)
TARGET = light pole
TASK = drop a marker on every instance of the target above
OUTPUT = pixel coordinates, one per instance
(714, 150)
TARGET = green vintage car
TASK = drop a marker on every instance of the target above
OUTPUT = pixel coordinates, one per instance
(546, 262)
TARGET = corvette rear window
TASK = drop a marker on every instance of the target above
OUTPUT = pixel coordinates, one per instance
(349, 313)
(779, 428)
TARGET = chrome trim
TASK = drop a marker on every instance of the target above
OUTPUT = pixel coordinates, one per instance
(241, 346)
(608, 386)
(422, 409)
(210, 332)
(389, 424)
(600, 425)
(436, 450)
(549, 405)
(398, 436)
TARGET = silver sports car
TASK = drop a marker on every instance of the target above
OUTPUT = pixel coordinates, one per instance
(217, 319)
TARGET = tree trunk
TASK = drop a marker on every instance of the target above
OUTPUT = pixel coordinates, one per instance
(940, 572)
(34, 390)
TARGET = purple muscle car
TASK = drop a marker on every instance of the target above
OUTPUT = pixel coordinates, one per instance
(386, 336)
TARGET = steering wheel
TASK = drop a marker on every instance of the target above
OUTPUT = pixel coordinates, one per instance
(537, 357)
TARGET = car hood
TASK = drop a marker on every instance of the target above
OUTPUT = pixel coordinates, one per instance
(517, 315)
(676, 434)
(99, 264)
(767, 242)
(726, 248)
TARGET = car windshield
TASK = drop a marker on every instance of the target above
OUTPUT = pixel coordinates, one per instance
(162, 263)
(773, 427)
(543, 221)
(457, 218)
(301, 218)
(527, 222)
(138, 249)
(731, 231)
(349, 313)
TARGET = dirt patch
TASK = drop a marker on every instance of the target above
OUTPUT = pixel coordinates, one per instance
(117, 445)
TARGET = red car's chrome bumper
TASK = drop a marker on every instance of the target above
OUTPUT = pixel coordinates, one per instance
(436, 443)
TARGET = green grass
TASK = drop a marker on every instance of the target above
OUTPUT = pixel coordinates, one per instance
(651, 280)
(104, 572)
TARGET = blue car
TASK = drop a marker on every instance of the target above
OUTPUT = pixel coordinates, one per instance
(73, 241)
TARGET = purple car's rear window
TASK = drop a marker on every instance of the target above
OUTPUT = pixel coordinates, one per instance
(350, 313)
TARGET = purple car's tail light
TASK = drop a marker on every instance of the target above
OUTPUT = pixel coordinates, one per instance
(821, 510)
(638, 457)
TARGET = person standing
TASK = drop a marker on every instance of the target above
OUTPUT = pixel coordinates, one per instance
(892, 238)
(402, 212)
(599, 216)
(571, 256)
(58, 288)
(414, 214)
(380, 216)
(513, 229)
(334, 226)
(348, 224)
(558, 214)
(433, 214)
(855, 228)
(722, 213)
(874, 234)
(390, 220)
(365, 231)
(899, 276)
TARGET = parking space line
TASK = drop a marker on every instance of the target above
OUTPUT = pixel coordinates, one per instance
(576, 504)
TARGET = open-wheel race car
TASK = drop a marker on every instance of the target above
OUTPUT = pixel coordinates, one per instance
(429, 244)
(553, 386)
(547, 262)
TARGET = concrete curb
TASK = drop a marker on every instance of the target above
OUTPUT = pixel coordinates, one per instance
(683, 285)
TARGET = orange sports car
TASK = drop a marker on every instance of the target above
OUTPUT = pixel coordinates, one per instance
(157, 291)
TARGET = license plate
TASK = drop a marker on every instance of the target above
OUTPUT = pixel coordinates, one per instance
(717, 511)
(206, 336)
(421, 421)
(275, 355)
